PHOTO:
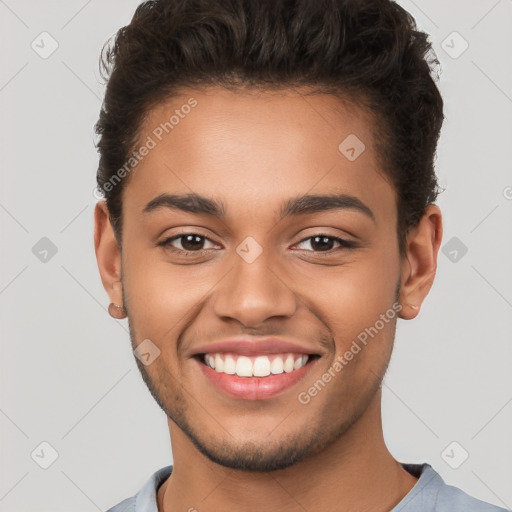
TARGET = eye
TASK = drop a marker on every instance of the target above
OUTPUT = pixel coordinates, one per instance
(193, 243)
(190, 243)
(324, 243)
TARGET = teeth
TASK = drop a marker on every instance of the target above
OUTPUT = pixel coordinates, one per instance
(257, 366)
(219, 364)
(243, 367)
(229, 365)
(288, 364)
(277, 366)
(300, 362)
(261, 367)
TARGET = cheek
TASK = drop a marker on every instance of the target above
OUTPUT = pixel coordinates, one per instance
(357, 303)
(161, 297)
(362, 320)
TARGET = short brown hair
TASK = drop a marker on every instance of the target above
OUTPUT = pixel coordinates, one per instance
(368, 50)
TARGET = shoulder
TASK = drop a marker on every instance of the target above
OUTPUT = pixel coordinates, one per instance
(146, 499)
(453, 499)
(127, 505)
(432, 494)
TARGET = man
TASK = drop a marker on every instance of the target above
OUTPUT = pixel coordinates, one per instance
(269, 214)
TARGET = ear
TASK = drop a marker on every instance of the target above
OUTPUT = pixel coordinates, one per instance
(419, 264)
(107, 253)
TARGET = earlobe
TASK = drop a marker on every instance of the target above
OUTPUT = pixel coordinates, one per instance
(420, 261)
(108, 255)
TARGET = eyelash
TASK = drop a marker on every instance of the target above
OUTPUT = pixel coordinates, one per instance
(344, 244)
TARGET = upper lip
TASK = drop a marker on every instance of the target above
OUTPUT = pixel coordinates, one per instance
(250, 346)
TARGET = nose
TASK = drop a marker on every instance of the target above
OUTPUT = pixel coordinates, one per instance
(253, 292)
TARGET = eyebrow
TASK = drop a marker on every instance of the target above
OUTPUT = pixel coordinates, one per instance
(300, 205)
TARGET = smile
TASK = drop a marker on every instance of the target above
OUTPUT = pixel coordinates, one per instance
(255, 366)
(255, 377)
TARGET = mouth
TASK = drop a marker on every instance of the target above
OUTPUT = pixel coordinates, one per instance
(255, 377)
(255, 366)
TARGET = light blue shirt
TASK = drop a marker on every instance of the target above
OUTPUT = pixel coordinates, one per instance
(430, 494)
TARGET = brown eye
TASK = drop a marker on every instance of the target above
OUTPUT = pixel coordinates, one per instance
(186, 242)
(325, 243)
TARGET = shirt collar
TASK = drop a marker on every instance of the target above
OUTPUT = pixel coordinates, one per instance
(428, 481)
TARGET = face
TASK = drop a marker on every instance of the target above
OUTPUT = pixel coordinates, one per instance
(266, 266)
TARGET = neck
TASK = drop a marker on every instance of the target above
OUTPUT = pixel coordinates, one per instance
(356, 473)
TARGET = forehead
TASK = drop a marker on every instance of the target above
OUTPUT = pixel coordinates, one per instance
(257, 147)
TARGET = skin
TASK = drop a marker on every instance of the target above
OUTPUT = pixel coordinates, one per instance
(253, 151)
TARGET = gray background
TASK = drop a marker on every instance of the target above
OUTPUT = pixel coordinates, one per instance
(68, 376)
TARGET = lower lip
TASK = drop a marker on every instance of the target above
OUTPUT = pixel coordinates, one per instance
(254, 388)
